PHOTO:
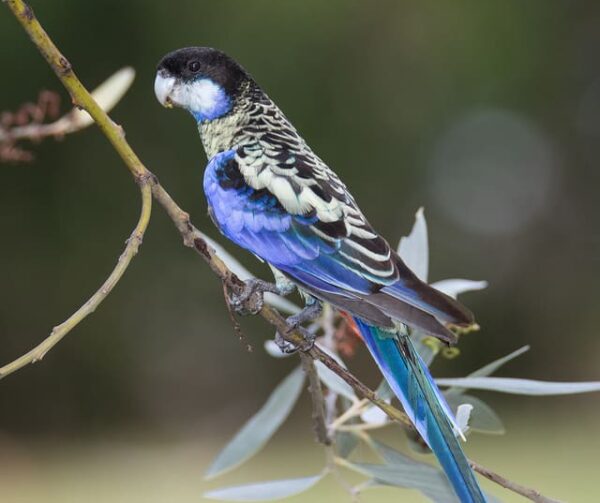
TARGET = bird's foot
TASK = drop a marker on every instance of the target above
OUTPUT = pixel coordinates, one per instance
(310, 312)
(284, 346)
(287, 347)
(250, 299)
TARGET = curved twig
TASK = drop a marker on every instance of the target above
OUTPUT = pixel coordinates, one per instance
(59, 331)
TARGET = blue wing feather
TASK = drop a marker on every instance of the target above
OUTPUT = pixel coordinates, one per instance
(322, 256)
(262, 226)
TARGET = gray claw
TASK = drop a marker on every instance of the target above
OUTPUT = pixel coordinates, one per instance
(288, 347)
(250, 300)
(285, 346)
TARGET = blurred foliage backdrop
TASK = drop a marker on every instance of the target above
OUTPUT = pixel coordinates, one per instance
(486, 113)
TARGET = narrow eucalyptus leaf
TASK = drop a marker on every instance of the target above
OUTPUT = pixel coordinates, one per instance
(345, 443)
(394, 457)
(374, 416)
(410, 475)
(414, 248)
(490, 368)
(281, 303)
(260, 427)
(521, 386)
(264, 491)
(334, 382)
(483, 418)
(331, 380)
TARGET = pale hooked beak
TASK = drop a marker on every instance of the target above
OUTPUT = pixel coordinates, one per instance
(163, 86)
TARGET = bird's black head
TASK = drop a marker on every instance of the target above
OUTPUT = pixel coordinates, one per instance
(202, 80)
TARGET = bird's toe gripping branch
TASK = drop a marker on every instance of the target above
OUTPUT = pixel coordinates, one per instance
(311, 311)
(250, 299)
(284, 346)
(289, 348)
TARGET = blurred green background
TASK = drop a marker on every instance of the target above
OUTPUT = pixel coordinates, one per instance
(486, 113)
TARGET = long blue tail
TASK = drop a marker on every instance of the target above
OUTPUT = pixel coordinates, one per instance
(409, 378)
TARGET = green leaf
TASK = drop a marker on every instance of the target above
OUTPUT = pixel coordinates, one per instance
(521, 386)
(490, 368)
(334, 382)
(264, 491)
(260, 427)
(428, 479)
(483, 418)
(393, 457)
(345, 443)
(410, 474)
(414, 248)
(374, 416)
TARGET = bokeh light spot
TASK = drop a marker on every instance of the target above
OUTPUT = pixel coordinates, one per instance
(493, 172)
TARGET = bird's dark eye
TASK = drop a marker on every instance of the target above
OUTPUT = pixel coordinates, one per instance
(194, 66)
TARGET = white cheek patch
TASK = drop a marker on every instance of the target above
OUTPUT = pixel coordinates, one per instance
(200, 95)
(203, 98)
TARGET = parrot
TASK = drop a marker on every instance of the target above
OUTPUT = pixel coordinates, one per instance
(271, 195)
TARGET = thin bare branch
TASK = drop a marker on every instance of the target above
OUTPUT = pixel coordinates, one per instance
(531, 494)
(318, 402)
(58, 332)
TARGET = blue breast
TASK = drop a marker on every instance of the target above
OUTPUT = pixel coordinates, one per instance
(255, 220)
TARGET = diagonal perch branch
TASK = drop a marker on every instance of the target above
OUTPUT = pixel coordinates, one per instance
(532, 494)
(191, 236)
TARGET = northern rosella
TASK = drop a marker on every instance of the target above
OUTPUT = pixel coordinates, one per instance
(269, 193)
